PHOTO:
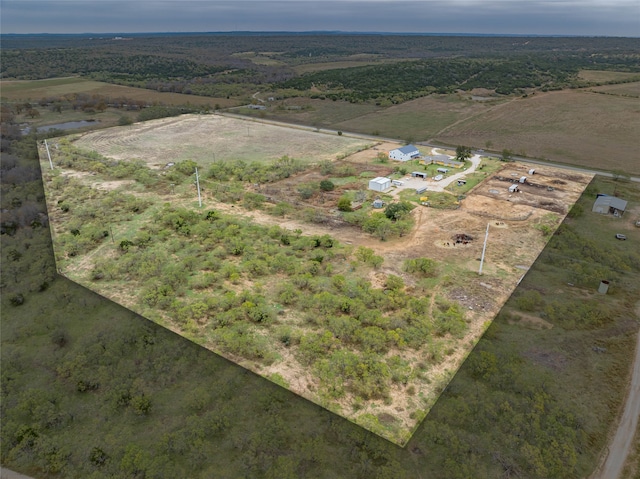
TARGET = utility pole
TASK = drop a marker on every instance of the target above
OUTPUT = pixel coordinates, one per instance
(198, 186)
(48, 154)
(484, 248)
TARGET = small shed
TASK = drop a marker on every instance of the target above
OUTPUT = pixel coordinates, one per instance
(378, 203)
(443, 170)
(513, 188)
(419, 174)
(405, 153)
(523, 179)
(606, 204)
(421, 190)
(380, 183)
(532, 171)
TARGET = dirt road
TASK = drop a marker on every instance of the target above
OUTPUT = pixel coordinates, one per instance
(8, 474)
(621, 444)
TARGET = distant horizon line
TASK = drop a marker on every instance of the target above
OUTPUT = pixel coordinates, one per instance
(319, 32)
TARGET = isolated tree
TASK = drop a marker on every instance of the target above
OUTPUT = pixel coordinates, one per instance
(506, 155)
(33, 113)
(382, 157)
(463, 153)
(397, 211)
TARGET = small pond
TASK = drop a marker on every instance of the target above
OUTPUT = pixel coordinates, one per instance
(69, 125)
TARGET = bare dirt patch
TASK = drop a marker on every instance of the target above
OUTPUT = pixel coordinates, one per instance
(210, 138)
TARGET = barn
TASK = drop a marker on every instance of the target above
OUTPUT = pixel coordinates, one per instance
(606, 204)
(405, 153)
(380, 183)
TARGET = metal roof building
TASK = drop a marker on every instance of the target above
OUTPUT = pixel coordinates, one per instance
(606, 204)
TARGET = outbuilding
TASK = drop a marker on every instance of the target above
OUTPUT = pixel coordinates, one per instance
(378, 203)
(443, 160)
(513, 188)
(419, 174)
(606, 204)
(405, 153)
(443, 170)
(380, 183)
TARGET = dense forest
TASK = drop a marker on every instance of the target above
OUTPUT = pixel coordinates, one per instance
(195, 64)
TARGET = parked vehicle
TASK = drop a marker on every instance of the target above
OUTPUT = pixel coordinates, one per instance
(620, 236)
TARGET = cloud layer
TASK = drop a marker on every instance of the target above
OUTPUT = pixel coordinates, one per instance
(547, 17)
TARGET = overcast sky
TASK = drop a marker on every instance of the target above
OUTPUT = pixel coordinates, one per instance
(546, 17)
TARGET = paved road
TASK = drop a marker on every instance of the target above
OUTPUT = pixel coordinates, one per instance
(622, 442)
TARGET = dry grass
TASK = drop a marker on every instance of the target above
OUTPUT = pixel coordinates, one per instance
(605, 76)
(575, 127)
(623, 89)
(208, 138)
(418, 119)
(36, 89)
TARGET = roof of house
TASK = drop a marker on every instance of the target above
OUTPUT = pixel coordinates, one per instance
(380, 180)
(611, 202)
(407, 149)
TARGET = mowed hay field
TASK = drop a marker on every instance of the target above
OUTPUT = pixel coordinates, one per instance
(419, 119)
(606, 76)
(574, 127)
(57, 87)
(623, 89)
(208, 138)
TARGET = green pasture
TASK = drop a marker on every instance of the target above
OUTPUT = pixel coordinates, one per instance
(36, 89)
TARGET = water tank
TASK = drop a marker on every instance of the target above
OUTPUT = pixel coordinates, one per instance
(604, 287)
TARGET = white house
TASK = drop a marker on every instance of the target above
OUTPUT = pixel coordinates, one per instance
(380, 183)
(405, 153)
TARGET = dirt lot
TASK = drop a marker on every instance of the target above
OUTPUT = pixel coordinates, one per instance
(209, 138)
(547, 189)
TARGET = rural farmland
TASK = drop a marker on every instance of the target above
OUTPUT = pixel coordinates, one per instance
(272, 276)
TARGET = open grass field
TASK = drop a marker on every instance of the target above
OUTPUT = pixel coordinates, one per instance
(420, 119)
(209, 138)
(315, 112)
(427, 366)
(606, 76)
(360, 60)
(624, 89)
(33, 90)
(573, 127)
